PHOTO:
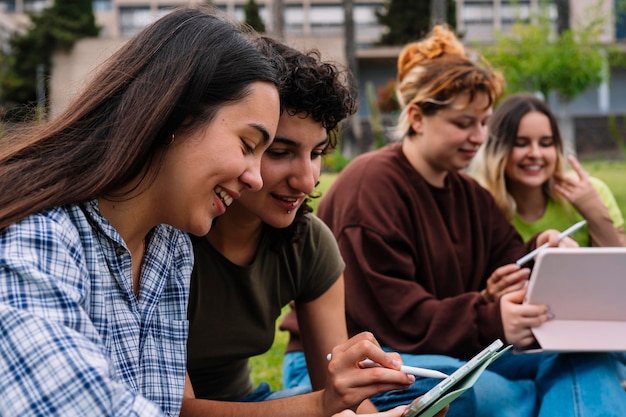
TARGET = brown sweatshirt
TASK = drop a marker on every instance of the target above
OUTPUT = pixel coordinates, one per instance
(417, 256)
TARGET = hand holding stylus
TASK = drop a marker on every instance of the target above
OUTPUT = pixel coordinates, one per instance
(528, 257)
(412, 370)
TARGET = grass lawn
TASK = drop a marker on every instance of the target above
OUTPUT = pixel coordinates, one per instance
(268, 367)
(613, 173)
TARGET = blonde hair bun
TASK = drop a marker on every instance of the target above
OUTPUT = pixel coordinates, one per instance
(440, 41)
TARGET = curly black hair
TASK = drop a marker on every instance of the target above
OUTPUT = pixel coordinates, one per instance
(319, 89)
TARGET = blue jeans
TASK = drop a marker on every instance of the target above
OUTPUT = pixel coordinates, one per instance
(519, 385)
(295, 375)
(544, 385)
(621, 364)
(263, 393)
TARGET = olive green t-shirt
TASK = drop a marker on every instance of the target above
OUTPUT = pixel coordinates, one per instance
(561, 216)
(233, 309)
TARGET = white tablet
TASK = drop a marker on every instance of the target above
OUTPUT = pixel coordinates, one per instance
(585, 290)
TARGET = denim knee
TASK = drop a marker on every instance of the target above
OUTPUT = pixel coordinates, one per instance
(295, 372)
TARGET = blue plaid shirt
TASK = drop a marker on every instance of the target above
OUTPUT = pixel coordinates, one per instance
(74, 340)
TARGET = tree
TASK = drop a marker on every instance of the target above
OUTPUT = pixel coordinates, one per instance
(409, 20)
(56, 28)
(253, 17)
(534, 58)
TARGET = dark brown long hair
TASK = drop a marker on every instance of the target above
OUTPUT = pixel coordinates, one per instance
(175, 74)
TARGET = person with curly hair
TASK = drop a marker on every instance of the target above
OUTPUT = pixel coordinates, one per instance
(267, 250)
(422, 240)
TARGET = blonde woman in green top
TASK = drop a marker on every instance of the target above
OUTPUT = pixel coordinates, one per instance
(523, 165)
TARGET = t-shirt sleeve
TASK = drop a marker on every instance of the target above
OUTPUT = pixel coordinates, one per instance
(609, 201)
(322, 263)
(51, 357)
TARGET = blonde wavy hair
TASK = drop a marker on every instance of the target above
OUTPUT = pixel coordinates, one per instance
(432, 72)
(488, 167)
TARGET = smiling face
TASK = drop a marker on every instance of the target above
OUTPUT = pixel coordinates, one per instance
(449, 139)
(205, 169)
(290, 169)
(533, 157)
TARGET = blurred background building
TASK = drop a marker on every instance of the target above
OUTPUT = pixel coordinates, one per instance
(320, 24)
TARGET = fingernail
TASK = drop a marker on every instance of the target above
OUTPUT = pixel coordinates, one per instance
(411, 378)
(396, 363)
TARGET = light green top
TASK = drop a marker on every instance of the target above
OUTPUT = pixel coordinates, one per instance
(561, 216)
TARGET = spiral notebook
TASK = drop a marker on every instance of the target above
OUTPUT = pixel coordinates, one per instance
(585, 290)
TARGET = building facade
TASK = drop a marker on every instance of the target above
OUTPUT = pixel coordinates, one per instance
(320, 24)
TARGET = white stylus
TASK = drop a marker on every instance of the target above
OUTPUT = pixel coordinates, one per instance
(423, 372)
(526, 258)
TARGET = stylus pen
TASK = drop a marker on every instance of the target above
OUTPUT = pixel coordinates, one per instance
(423, 372)
(526, 258)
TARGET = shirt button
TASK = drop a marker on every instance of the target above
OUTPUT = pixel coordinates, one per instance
(119, 251)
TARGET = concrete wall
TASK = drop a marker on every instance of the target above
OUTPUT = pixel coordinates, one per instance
(71, 71)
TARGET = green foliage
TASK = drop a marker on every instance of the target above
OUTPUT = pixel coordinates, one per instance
(409, 20)
(336, 161)
(386, 100)
(253, 17)
(56, 28)
(533, 58)
(616, 57)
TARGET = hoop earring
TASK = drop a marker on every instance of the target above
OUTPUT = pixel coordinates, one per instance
(172, 139)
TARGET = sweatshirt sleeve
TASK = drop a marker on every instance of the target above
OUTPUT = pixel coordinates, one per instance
(382, 296)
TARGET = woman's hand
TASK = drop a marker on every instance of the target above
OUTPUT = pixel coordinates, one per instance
(518, 319)
(349, 383)
(551, 237)
(505, 279)
(577, 188)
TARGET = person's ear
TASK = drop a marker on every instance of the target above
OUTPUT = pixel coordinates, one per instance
(416, 119)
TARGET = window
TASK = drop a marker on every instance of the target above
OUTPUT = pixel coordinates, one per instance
(102, 5)
(36, 5)
(133, 19)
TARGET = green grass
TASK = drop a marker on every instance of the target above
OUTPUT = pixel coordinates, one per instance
(613, 173)
(268, 367)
